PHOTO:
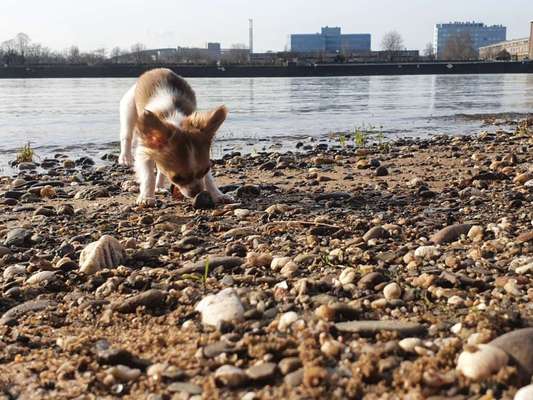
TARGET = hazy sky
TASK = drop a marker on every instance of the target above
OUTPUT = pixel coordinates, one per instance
(92, 24)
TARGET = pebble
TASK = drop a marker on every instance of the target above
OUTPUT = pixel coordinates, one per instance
(409, 344)
(152, 298)
(185, 387)
(203, 201)
(482, 363)
(262, 371)
(248, 191)
(377, 232)
(347, 276)
(225, 306)
(39, 277)
(518, 345)
(525, 393)
(294, 378)
(123, 373)
(476, 233)
(13, 314)
(18, 237)
(279, 262)
(107, 252)
(231, 376)
(14, 270)
(47, 192)
(392, 291)
(427, 252)
(382, 171)
(289, 364)
(450, 233)
(241, 212)
(372, 327)
(286, 320)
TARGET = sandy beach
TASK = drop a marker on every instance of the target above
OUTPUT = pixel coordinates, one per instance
(341, 272)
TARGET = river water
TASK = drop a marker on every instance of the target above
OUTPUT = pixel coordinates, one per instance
(80, 116)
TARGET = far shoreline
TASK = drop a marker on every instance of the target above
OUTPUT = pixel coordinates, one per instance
(267, 71)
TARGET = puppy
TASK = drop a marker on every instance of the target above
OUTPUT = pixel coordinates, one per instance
(159, 112)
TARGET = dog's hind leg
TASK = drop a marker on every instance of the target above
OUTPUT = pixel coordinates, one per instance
(162, 183)
(128, 118)
(145, 170)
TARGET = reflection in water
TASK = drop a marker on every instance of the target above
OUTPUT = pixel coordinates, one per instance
(84, 112)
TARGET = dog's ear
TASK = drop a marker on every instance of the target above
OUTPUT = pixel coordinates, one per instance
(154, 133)
(214, 120)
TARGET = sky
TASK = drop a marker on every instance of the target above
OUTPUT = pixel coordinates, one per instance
(92, 24)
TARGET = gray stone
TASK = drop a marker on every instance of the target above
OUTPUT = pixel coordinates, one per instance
(377, 232)
(450, 233)
(184, 387)
(152, 298)
(12, 315)
(214, 262)
(262, 371)
(247, 191)
(231, 376)
(519, 347)
(295, 378)
(289, 364)
(19, 237)
(203, 201)
(373, 327)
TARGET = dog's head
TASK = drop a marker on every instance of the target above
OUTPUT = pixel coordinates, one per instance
(182, 152)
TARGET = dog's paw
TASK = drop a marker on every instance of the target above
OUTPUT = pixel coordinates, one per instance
(223, 199)
(145, 201)
(161, 190)
(125, 159)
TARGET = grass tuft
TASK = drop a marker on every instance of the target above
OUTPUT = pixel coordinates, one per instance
(25, 154)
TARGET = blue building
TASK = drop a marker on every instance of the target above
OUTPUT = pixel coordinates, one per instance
(330, 40)
(480, 34)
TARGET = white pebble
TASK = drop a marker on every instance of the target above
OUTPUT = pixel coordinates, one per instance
(286, 320)
(347, 276)
(427, 252)
(481, 363)
(123, 373)
(392, 291)
(223, 306)
(279, 262)
(409, 344)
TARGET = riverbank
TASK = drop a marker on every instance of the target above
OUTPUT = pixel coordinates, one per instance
(268, 71)
(332, 275)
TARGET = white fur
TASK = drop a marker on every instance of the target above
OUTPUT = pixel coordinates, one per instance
(128, 118)
(162, 102)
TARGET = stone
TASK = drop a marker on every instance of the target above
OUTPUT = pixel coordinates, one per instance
(225, 306)
(370, 280)
(409, 344)
(23, 166)
(13, 314)
(151, 299)
(377, 232)
(231, 376)
(261, 372)
(347, 276)
(372, 327)
(185, 387)
(427, 252)
(525, 237)
(13, 271)
(215, 349)
(39, 277)
(123, 373)
(248, 191)
(333, 196)
(525, 393)
(214, 262)
(518, 345)
(294, 378)
(92, 193)
(382, 171)
(47, 192)
(279, 262)
(286, 320)
(392, 291)
(46, 211)
(450, 233)
(203, 201)
(476, 233)
(107, 355)
(107, 252)
(482, 362)
(289, 364)
(18, 237)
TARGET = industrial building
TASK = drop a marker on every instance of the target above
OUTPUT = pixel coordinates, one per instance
(330, 40)
(516, 49)
(480, 34)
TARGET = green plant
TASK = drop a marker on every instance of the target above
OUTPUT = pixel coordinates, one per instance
(198, 277)
(360, 137)
(342, 139)
(25, 154)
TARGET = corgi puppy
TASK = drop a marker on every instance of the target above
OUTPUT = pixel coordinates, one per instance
(159, 112)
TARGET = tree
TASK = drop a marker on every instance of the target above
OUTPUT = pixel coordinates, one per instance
(137, 51)
(21, 42)
(73, 55)
(392, 41)
(460, 47)
(116, 52)
(429, 51)
(503, 55)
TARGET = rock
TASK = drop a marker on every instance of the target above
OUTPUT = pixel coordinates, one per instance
(39, 277)
(481, 363)
(23, 166)
(525, 237)
(248, 191)
(523, 178)
(214, 349)
(286, 320)
(289, 364)
(377, 232)
(14, 270)
(185, 387)
(372, 327)
(347, 276)
(123, 373)
(238, 232)
(392, 291)
(65, 209)
(295, 378)
(151, 299)
(381, 171)
(47, 192)
(214, 262)
(231, 376)
(69, 164)
(92, 193)
(408, 344)
(525, 393)
(476, 233)
(427, 252)
(13, 314)
(370, 280)
(107, 355)
(279, 262)
(107, 252)
(18, 237)
(46, 211)
(4, 251)
(262, 371)
(333, 196)
(14, 194)
(450, 233)
(225, 306)
(519, 347)
(241, 212)
(203, 201)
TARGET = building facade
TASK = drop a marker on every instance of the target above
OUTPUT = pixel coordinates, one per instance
(480, 34)
(330, 40)
(518, 49)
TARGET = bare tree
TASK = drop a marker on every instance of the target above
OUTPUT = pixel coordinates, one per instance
(137, 51)
(237, 54)
(392, 41)
(429, 51)
(73, 55)
(460, 47)
(21, 42)
(116, 52)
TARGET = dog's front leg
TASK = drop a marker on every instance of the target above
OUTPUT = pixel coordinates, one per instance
(214, 191)
(144, 167)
